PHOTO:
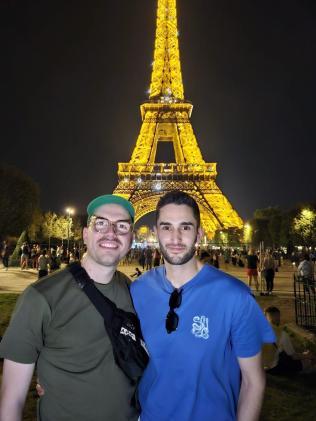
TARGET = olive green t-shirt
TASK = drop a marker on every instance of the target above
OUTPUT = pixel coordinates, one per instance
(56, 326)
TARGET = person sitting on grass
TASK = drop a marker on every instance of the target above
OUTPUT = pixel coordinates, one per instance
(281, 358)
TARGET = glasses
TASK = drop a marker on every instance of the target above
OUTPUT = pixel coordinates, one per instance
(172, 319)
(103, 225)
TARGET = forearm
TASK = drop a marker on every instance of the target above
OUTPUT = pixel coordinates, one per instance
(250, 399)
(10, 411)
(15, 384)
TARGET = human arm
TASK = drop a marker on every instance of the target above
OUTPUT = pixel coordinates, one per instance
(252, 388)
(286, 345)
(16, 380)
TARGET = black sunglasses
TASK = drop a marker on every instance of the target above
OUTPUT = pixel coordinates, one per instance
(172, 319)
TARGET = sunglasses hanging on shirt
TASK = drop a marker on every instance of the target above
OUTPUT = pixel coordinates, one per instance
(172, 319)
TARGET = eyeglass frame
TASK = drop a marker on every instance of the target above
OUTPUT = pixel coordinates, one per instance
(93, 218)
(172, 306)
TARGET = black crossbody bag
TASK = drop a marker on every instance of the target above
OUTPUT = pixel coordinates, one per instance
(122, 327)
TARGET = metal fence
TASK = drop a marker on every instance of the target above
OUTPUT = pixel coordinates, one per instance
(305, 302)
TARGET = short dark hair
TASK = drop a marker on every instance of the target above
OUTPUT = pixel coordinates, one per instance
(272, 310)
(178, 197)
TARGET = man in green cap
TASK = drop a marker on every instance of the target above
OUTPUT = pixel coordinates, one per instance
(56, 327)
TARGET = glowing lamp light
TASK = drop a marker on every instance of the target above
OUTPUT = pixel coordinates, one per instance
(70, 211)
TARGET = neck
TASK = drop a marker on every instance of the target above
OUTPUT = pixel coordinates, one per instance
(99, 273)
(179, 275)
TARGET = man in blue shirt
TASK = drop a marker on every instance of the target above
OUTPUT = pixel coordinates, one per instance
(203, 329)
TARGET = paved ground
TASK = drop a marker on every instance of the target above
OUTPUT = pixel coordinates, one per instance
(16, 280)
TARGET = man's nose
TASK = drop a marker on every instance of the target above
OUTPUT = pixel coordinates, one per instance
(176, 234)
(111, 230)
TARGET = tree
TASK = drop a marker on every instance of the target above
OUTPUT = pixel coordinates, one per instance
(220, 238)
(304, 225)
(19, 197)
(286, 231)
(142, 233)
(77, 228)
(63, 224)
(49, 227)
(260, 232)
(268, 226)
(15, 258)
(247, 234)
(35, 229)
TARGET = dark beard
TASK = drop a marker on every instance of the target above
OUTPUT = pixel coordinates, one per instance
(178, 260)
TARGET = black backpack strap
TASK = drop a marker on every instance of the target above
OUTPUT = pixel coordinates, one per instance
(123, 328)
(104, 305)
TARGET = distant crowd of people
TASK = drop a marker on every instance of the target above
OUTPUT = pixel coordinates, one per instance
(259, 266)
(39, 257)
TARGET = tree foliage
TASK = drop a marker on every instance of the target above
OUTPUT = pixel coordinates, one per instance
(15, 258)
(295, 227)
(19, 198)
(267, 226)
(304, 226)
(34, 230)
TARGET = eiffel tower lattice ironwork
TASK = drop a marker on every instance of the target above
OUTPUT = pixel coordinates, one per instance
(166, 118)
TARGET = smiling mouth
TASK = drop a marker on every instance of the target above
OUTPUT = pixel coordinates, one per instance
(112, 245)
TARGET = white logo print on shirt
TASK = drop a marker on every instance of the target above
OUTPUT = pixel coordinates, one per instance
(200, 327)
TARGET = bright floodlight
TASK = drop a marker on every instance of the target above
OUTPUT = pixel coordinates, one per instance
(70, 211)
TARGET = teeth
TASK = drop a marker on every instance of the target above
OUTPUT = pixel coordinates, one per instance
(108, 244)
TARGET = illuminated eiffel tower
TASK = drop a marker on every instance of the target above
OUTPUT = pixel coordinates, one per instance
(166, 118)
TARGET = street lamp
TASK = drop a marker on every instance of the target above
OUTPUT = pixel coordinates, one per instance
(69, 211)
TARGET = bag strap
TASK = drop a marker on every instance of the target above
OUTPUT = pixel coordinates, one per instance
(103, 304)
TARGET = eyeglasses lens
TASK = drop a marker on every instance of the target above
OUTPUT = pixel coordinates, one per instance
(103, 225)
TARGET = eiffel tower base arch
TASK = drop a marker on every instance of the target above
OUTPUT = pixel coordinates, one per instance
(211, 201)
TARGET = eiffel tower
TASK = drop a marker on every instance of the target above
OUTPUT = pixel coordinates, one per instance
(166, 118)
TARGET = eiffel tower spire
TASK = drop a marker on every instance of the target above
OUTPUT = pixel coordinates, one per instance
(166, 118)
(166, 78)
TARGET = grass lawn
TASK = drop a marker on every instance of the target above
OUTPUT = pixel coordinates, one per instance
(286, 399)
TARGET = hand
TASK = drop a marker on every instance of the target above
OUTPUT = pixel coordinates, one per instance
(39, 389)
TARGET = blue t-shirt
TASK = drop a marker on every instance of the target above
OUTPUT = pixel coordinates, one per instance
(193, 373)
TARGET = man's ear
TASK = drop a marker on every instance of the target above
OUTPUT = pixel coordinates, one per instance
(155, 229)
(85, 235)
(200, 234)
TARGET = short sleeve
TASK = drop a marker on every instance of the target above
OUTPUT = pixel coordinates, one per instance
(285, 344)
(24, 337)
(250, 328)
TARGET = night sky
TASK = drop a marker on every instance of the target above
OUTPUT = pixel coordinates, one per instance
(77, 71)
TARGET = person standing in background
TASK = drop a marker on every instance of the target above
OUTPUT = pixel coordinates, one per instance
(42, 264)
(252, 268)
(268, 269)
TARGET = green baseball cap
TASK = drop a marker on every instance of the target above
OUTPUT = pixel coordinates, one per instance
(108, 199)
